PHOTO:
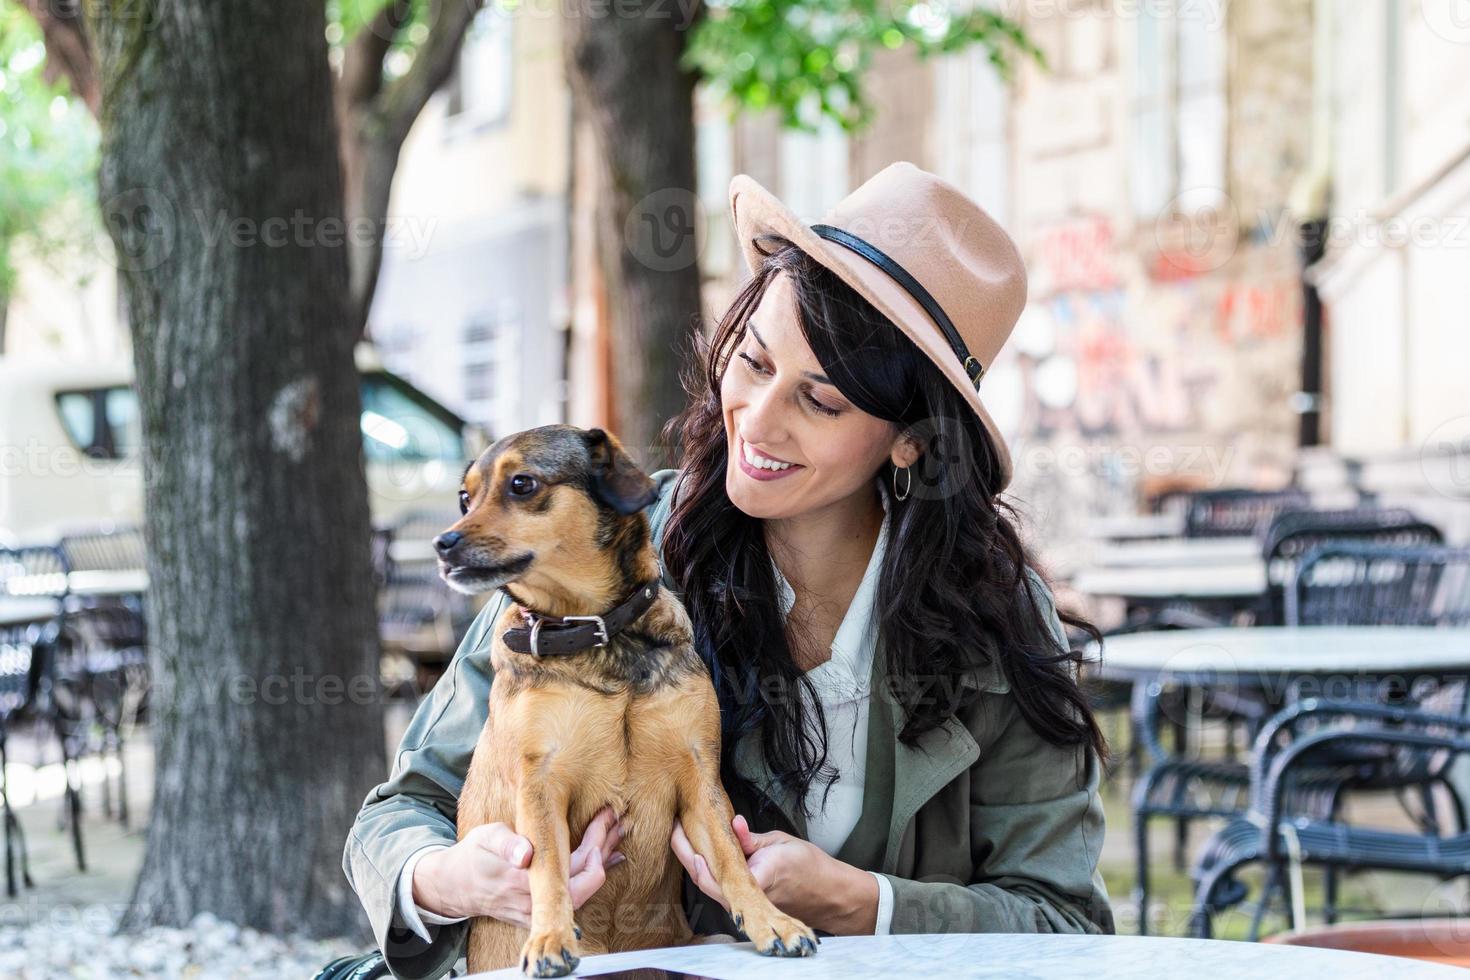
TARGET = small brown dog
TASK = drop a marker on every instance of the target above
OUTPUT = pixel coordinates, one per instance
(598, 698)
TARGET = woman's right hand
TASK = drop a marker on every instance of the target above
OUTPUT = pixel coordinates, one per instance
(485, 872)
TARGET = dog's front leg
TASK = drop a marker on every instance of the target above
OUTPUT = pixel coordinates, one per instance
(705, 813)
(541, 815)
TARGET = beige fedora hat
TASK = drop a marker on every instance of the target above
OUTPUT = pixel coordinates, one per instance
(925, 255)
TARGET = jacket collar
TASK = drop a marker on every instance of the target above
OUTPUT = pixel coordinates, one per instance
(915, 774)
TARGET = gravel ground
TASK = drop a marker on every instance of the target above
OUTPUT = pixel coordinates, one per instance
(207, 949)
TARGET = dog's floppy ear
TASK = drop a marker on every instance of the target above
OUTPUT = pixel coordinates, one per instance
(616, 479)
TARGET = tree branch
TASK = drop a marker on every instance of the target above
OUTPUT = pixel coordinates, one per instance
(68, 48)
(362, 62)
(403, 99)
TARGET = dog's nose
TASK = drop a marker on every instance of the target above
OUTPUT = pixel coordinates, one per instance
(445, 542)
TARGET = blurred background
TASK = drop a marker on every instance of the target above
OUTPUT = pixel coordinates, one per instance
(394, 231)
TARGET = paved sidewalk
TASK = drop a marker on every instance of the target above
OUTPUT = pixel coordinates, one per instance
(113, 853)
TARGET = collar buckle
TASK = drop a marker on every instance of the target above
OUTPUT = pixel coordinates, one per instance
(601, 627)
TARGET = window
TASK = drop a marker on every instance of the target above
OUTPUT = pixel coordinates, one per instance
(713, 156)
(480, 88)
(102, 422)
(78, 411)
(1178, 108)
(120, 409)
(814, 170)
(974, 152)
(399, 422)
(489, 388)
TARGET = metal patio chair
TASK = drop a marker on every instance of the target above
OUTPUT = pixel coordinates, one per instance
(1292, 533)
(1346, 583)
(103, 677)
(420, 618)
(1236, 510)
(1270, 833)
(33, 588)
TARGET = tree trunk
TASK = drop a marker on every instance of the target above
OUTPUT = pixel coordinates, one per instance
(626, 78)
(222, 190)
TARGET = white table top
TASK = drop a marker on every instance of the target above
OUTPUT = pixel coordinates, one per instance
(1222, 580)
(1177, 551)
(1286, 649)
(1123, 527)
(95, 583)
(88, 583)
(1006, 955)
(27, 609)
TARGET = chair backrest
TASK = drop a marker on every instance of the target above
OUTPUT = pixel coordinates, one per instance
(33, 572)
(1292, 533)
(415, 605)
(1237, 511)
(33, 588)
(1367, 583)
(110, 549)
(424, 524)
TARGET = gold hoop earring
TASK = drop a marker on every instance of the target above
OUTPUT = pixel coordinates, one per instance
(907, 485)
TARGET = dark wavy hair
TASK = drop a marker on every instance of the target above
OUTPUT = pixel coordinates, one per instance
(964, 605)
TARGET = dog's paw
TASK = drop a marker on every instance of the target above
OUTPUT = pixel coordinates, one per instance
(775, 933)
(550, 953)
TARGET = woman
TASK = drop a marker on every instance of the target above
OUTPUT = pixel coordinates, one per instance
(905, 740)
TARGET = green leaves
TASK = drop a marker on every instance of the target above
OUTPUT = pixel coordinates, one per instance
(807, 58)
(48, 154)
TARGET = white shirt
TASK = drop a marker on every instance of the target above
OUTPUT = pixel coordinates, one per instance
(842, 683)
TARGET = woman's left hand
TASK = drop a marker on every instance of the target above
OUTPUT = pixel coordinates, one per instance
(798, 877)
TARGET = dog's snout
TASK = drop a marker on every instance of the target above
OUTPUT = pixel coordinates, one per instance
(445, 542)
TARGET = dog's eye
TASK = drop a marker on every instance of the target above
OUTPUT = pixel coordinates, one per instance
(464, 502)
(522, 485)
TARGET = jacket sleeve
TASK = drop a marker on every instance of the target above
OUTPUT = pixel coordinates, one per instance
(1036, 832)
(418, 804)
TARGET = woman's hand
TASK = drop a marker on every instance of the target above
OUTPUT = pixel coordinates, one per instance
(485, 873)
(797, 876)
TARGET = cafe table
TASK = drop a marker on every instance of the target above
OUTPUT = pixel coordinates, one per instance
(1268, 655)
(1280, 663)
(1220, 582)
(1055, 957)
(1176, 552)
(1135, 527)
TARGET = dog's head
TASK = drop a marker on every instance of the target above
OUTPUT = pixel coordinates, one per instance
(556, 508)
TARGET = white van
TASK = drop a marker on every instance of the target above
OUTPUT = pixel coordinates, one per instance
(71, 448)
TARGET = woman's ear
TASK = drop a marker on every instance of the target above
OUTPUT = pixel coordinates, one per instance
(906, 449)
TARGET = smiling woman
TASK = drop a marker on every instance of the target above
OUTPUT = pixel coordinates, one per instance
(838, 511)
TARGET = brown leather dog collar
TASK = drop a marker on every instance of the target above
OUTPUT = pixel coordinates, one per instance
(547, 635)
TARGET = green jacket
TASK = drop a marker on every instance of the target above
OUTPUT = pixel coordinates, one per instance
(981, 827)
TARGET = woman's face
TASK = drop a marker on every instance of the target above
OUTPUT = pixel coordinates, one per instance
(779, 406)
